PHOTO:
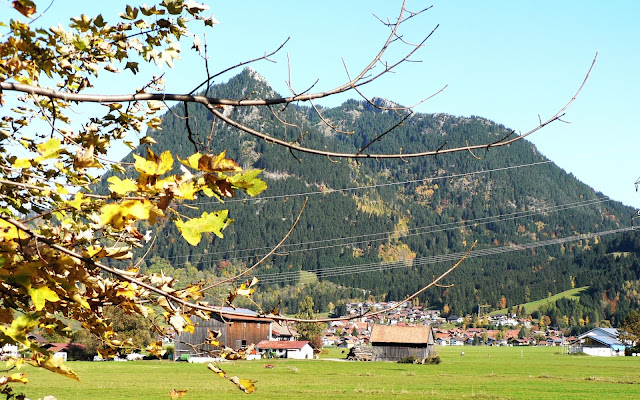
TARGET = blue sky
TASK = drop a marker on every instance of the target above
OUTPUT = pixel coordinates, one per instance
(508, 61)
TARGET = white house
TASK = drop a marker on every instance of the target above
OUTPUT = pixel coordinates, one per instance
(598, 342)
(456, 341)
(297, 349)
(8, 350)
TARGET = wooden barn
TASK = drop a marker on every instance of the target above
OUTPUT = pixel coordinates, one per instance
(236, 332)
(392, 343)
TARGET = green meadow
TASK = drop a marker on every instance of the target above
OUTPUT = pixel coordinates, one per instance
(482, 373)
(573, 294)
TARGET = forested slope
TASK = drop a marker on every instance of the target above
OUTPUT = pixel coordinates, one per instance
(373, 224)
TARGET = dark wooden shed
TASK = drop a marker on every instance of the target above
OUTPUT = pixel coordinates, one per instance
(236, 332)
(392, 343)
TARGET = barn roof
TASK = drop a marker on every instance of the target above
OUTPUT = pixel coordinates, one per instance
(282, 344)
(401, 334)
(246, 315)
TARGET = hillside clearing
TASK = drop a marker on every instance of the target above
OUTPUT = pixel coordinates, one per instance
(573, 294)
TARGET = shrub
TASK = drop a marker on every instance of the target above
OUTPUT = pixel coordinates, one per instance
(408, 360)
(432, 360)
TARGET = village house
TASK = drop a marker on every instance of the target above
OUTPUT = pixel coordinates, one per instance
(295, 349)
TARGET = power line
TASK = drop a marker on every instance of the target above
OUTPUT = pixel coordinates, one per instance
(295, 276)
(331, 191)
(383, 236)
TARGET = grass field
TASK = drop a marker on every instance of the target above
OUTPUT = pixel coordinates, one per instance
(573, 294)
(482, 373)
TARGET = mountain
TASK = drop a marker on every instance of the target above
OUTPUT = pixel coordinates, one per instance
(384, 228)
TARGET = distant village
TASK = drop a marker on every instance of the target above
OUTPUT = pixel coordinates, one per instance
(503, 330)
(371, 331)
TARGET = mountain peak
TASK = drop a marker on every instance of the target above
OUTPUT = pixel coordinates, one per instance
(253, 74)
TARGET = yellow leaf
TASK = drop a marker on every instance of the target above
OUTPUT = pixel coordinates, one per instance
(56, 364)
(144, 166)
(48, 149)
(118, 214)
(96, 251)
(152, 164)
(120, 186)
(77, 297)
(20, 327)
(193, 229)
(156, 349)
(187, 191)
(18, 377)
(78, 201)
(8, 231)
(246, 385)
(41, 295)
(166, 163)
(192, 161)
(21, 163)
(217, 370)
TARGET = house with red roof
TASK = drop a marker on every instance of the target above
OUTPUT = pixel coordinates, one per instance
(296, 349)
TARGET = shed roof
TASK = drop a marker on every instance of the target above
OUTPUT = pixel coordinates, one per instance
(401, 334)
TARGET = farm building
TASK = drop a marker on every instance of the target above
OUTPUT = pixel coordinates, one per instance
(297, 349)
(392, 343)
(598, 342)
(236, 332)
(283, 332)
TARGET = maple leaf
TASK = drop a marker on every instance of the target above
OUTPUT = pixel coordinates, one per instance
(41, 295)
(122, 187)
(193, 229)
(118, 214)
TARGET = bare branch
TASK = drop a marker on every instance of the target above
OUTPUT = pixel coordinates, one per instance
(264, 57)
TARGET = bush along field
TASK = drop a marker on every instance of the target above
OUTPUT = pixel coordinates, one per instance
(482, 372)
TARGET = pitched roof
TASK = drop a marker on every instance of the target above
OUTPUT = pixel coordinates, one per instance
(401, 334)
(605, 336)
(282, 344)
(283, 330)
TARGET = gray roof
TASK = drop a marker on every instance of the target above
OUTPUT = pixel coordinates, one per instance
(606, 336)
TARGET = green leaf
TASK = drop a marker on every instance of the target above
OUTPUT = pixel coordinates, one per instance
(193, 229)
(41, 295)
